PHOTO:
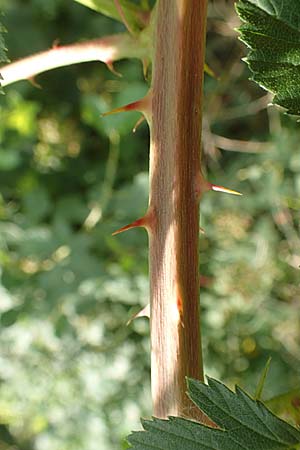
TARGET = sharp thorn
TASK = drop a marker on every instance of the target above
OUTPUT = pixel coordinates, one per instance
(56, 43)
(147, 221)
(143, 105)
(114, 111)
(210, 72)
(137, 223)
(224, 189)
(111, 68)
(145, 63)
(139, 122)
(145, 312)
(34, 83)
(202, 185)
(130, 107)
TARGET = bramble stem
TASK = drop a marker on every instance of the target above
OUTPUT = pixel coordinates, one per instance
(106, 49)
(174, 167)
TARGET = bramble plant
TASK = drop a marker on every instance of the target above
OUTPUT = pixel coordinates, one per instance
(169, 40)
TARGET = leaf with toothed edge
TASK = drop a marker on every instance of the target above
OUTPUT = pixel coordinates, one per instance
(271, 30)
(244, 424)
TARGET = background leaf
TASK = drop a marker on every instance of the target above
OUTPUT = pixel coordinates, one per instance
(287, 406)
(284, 10)
(132, 12)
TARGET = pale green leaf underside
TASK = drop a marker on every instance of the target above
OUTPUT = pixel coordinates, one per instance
(245, 424)
(271, 30)
(132, 13)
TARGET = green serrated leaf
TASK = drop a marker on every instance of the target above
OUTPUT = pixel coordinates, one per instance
(284, 10)
(133, 14)
(271, 29)
(245, 424)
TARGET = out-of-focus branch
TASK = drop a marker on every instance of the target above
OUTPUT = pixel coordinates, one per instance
(236, 145)
(253, 107)
(107, 49)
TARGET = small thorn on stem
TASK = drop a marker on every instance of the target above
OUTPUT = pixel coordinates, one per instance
(202, 185)
(147, 221)
(135, 224)
(139, 122)
(145, 312)
(205, 281)
(210, 72)
(224, 189)
(145, 63)
(178, 311)
(55, 43)
(111, 68)
(202, 231)
(179, 305)
(117, 110)
(34, 83)
(143, 105)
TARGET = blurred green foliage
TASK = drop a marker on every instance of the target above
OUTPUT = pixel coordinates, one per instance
(72, 374)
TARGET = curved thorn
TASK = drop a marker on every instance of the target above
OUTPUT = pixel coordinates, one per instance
(202, 231)
(145, 63)
(111, 68)
(139, 122)
(34, 83)
(210, 72)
